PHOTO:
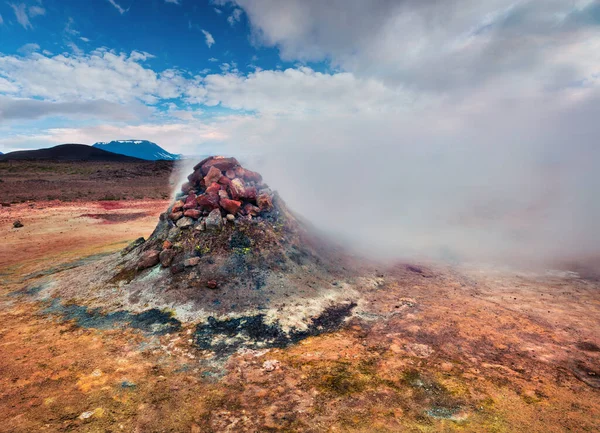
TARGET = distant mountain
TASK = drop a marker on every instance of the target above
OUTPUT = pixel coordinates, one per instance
(142, 149)
(67, 152)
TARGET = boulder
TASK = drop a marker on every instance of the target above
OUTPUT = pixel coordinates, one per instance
(221, 163)
(193, 213)
(213, 176)
(213, 188)
(230, 174)
(225, 181)
(208, 201)
(185, 222)
(178, 206)
(237, 188)
(250, 193)
(264, 201)
(148, 259)
(213, 221)
(231, 206)
(175, 215)
(223, 194)
(247, 175)
(174, 233)
(192, 261)
(190, 202)
(166, 257)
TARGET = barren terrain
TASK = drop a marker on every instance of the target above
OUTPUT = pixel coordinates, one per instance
(429, 348)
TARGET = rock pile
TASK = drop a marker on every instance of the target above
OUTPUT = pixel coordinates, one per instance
(219, 191)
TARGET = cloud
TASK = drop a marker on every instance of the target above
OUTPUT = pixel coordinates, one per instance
(209, 38)
(234, 17)
(175, 2)
(35, 11)
(29, 48)
(28, 109)
(218, 11)
(20, 11)
(213, 59)
(1, 20)
(100, 74)
(118, 7)
(84, 39)
(435, 46)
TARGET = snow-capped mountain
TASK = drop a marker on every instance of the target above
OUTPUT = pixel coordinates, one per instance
(143, 149)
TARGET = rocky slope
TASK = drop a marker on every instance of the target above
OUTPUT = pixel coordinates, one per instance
(142, 149)
(229, 256)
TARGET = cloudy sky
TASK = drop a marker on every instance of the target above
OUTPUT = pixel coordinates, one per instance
(493, 101)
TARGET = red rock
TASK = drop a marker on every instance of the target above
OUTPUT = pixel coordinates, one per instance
(231, 206)
(250, 193)
(230, 174)
(247, 175)
(237, 188)
(192, 261)
(250, 209)
(213, 176)
(196, 176)
(264, 201)
(176, 215)
(186, 187)
(193, 213)
(220, 162)
(190, 202)
(178, 206)
(212, 284)
(208, 201)
(201, 163)
(149, 258)
(167, 245)
(213, 188)
(225, 181)
(166, 257)
(223, 194)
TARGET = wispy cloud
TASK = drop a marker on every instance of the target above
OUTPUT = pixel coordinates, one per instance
(210, 41)
(118, 7)
(34, 11)
(1, 20)
(219, 11)
(234, 17)
(84, 39)
(20, 11)
(213, 59)
(29, 48)
(175, 2)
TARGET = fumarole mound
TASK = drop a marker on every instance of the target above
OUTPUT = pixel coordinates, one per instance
(228, 256)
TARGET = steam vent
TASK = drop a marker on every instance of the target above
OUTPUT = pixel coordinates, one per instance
(229, 257)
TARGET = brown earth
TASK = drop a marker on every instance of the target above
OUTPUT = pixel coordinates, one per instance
(84, 180)
(430, 348)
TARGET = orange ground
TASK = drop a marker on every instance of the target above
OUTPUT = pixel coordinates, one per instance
(436, 350)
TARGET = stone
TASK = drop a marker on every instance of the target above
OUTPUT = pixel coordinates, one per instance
(230, 217)
(186, 187)
(250, 209)
(225, 181)
(214, 222)
(166, 245)
(230, 174)
(190, 202)
(237, 188)
(208, 201)
(5, 204)
(177, 268)
(148, 259)
(192, 261)
(250, 193)
(231, 206)
(166, 257)
(264, 202)
(174, 233)
(178, 206)
(248, 175)
(175, 215)
(212, 284)
(223, 194)
(201, 226)
(213, 188)
(213, 176)
(270, 365)
(193, 213)
(221, 163)
(185, 222)
(17, 224)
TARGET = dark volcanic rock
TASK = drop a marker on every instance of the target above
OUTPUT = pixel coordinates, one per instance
(17, 224)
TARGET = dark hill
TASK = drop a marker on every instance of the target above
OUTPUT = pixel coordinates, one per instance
(67, 152)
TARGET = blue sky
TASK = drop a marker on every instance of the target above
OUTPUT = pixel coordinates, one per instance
(198, 75)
